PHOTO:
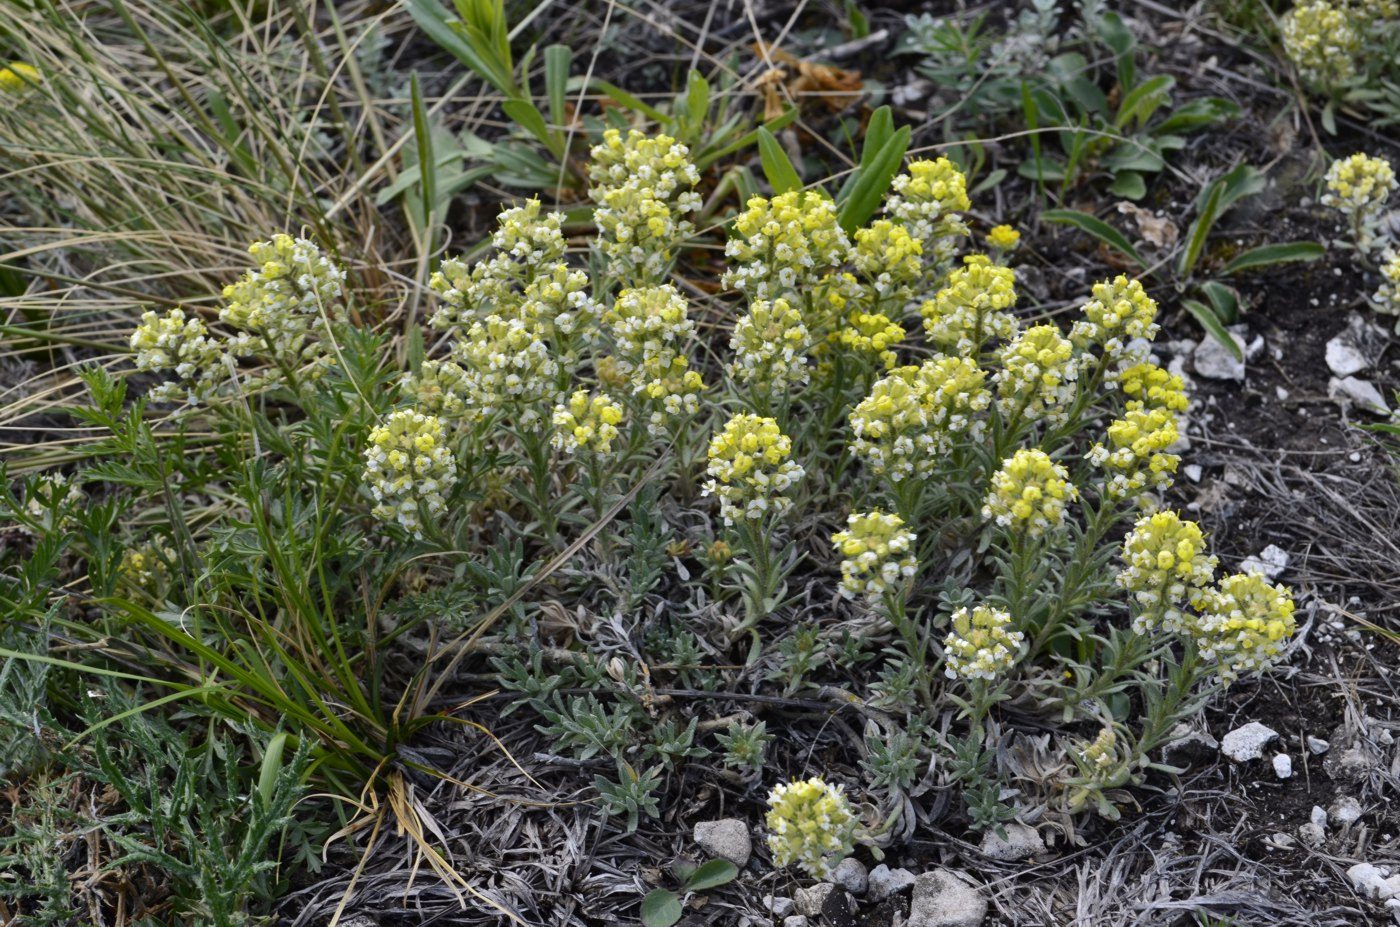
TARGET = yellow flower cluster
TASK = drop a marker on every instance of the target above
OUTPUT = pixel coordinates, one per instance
(1387, 296)
(586, 422)
(889, 258)
(1148, 386)
(1136, 456)
(870, 333)
(182, 345)
(786, 245)
(981, 644)
(810, 825)
(283, 304)
(1243, 624)
(1358, 187)
(1029, 493)
(1118, 312)
(1320, 40)
(770, 346)
(649, 328)
(1102, 753)
(408, 468)
(749, 469)
(973, 308)
(1166, 567)
(927, 201)
(19, 77)
(506, 367)
(1037, 378)
(141, 567)
(1003, 237)
(643, 188)
(913, 415)
(877, 554)
(437, 388)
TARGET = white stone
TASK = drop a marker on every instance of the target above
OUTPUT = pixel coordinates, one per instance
(1344, 358)
(944, 898)
(1311, 834)
(1318, 816)
(1214, 361)
(1020, 841)
(1247, 742)
(851, 875)
(796, 920)
(810, 901)
(885, 881)
(1374, 881)
(1345, 810)
(1283, 765)
(779, 905)
(1271, 561)
(1193, 472)
(727, 839)
(1360, 393)
(1317, 745)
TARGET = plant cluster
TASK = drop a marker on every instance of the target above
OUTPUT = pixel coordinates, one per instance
(1346, 52)
(1360, 187)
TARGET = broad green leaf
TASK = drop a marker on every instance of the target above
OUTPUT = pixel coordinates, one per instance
(1095, 227)
(1211, 323)
(1195, 114)
(1129, 185)
(1274, 254)
(697, 105)
(869, 190)
(1223, 300)
(557, 60)
(714, 873)
(1143, 100)
(782, 176)
(1133, 155)
(271, 766)
(1200, 229)
(661, 908)
(878, 131)
(467, 46)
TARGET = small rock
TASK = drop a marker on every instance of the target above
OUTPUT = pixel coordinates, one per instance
(1283, 765)
(1247, 742)
(885, 881)
(1359, 393)
(1345, 810)
(916, 91)
(1311, 834)
(796, 920)
(1271, 561)
(1318, 817)
(727, 839)
(1374, 881)
(1282, 841)
(810, 901)
(1193, 472)
(1351, 764)
(1214, 361)
(1020, 841)
(779, 905)
(944, 898)
(1344, 358)
(1317, 746)
(851, 875)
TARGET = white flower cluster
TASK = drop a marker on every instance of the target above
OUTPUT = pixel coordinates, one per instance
(1119, 313)
(1387, 297)
(409, 468)
(1166, 567)
(877, 554)
(770, 343)
(927, 201)
(649, 327)
(182, 345)
(785, 246)
(912, 416)
(981, 644)
(1038, 375)
(810, 825)
(973, 308)
(750, 470)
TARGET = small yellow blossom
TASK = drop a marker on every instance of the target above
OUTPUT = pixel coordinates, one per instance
(649, 328)
(1321, 41)
(1119, 312)
(786, 245)
(1036, 381)
(1244, 623)
(1029, 493)
(981, 644)
(409, 469)
(506, 367)
(770, 345)
(1003, 237)
(888, 257)
(877, 554)
(927, 200)
(973, 308)
(870, 333)
(1102, 754)
(810, 825)
(913, 416)
(19, 77)
(437, 388)
(1136, 456)
(1148, 386)
(1166, 567)
(586, 423)
(749, 469)
(147, 565)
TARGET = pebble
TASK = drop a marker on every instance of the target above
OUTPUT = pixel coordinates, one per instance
(727, 839)
(796, 920)
(1318, 817)
(1214, 361)
(1360, 393)
(1374, 881)
(810, 901)
(1283, 765)
(1271, 561)
(1311, 834)
(1247, 742)
(780, 906)
(851, 875)
(1317, 745)
(1193, 472)
(1344, 358)
(1345, 810)
(1351, 764)
(885, 881)
(944, 898)
(1020, 841)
